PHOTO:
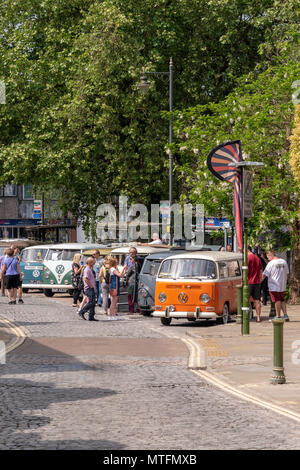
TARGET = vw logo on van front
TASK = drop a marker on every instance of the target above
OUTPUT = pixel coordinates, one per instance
(60, 269)
(182, 297)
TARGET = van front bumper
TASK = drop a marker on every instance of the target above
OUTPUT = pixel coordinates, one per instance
(196, 315)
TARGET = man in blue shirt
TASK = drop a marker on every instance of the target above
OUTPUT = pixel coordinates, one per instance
(97, 266)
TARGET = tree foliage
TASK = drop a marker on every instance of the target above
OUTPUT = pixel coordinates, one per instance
(259, 113)
(295, 146)
(74, 120)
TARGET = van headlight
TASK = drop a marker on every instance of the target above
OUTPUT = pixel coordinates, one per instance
(205, 298)
(143, 292)
(162, 297)
(47, 275)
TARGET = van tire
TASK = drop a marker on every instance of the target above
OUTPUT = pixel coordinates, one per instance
(25, 290)
(165, 321)
(225, 318)
(48, 292)
(146, 313)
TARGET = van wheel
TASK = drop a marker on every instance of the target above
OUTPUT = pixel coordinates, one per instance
(25, 290)
(224, 319)
(48, 292)
(165, 321)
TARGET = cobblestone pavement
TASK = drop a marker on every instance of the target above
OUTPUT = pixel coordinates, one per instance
(57, 400)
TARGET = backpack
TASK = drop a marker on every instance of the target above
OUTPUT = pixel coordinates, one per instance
(77, 279)
(106, 275)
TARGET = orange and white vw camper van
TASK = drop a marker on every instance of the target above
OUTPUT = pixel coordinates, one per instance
(196, 285)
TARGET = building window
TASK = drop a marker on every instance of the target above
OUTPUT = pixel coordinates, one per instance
(28, 191)
(10, 190)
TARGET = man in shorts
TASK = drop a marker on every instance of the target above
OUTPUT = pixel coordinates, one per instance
(20, 288)
(277, 272)
(254, 280)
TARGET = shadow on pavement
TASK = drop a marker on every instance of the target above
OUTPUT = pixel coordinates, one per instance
(19, 396)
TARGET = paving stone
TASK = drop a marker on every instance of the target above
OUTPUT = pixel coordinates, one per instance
(111, 401)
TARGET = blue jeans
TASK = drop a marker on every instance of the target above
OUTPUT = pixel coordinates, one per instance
(99, 292)
(90, 306)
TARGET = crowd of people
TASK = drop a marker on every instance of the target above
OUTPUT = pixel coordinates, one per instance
(98, 283)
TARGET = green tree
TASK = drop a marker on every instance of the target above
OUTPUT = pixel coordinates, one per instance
(259, 113)
(74, 120)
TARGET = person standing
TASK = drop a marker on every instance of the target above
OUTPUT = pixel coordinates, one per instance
(104, 277)
(11, 270)
(90, 290)
(97, 267)
(76, 278)
(254, 280)
(132, 268)
(277, 272)
(114, 286)
(264, 285)
(20, 288)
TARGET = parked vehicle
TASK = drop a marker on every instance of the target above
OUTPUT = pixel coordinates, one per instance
(121, 253)
(58, 266)
(7, 243)
(103, 252)
(31, 266)
(147, 281)
(148, 275)
(198, 285)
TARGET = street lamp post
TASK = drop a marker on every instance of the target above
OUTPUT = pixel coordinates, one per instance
(245, 295)
(144, 86)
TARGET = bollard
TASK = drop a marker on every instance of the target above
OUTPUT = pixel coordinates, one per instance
(272, 312)
(239, 318)
(278, 376)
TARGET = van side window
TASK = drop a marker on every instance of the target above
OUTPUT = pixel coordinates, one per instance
(223, 270)
(234, 269)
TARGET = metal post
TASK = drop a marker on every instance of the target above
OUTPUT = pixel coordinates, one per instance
(171, 131)
(245, 307)
(239, 318)
(278, 376)
(170, 142)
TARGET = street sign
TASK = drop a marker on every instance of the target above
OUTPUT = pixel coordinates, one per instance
(37, 209)
(247, 194)
(165, 209)
(37, 205)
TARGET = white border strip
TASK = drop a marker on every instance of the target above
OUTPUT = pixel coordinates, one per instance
(17, 331)
(257, 401)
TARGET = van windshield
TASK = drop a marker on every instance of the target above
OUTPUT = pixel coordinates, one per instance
(33, 254)
(61, 255)
(151, 266)
(188, 268)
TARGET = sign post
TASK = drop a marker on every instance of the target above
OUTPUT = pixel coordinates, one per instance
(226, 162)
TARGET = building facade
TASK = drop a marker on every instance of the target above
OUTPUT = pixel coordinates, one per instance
(19, 219)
